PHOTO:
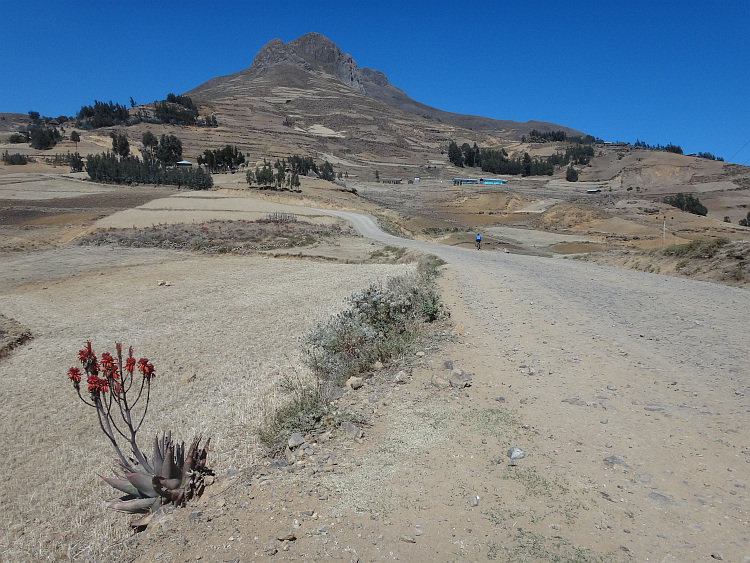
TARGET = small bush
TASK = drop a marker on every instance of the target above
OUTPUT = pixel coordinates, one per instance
(571, 174)
(14, 159)
(380, 324)
(15, 138)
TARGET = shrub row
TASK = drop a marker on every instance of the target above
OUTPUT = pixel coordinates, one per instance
(381, 323)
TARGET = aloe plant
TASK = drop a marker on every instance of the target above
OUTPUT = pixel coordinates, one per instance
(174, 475)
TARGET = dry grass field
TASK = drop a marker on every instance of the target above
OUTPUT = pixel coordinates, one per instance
(217, 366)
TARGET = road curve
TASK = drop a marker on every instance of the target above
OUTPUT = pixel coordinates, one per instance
(648, 368)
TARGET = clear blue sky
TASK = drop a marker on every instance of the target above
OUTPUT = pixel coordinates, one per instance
(661, 71)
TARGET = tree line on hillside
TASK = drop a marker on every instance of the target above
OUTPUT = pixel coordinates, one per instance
(537, 136)
(709, 156)
(218, 160)
(108, 167)
(497, 161)
(157, 167)
(16, 159)
(287, 171)
(686, 202)
(669, 147)
(175, 110)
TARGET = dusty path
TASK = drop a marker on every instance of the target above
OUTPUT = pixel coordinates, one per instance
(634, 383)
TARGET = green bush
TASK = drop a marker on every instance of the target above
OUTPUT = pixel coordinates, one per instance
(44, 138)
(16, 139)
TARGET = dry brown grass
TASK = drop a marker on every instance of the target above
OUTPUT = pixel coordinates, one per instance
(220, 335)
(221, 237)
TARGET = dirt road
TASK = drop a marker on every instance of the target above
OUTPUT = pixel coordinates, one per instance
(634, 384)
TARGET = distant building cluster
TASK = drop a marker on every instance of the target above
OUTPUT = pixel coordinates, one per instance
(486, 181)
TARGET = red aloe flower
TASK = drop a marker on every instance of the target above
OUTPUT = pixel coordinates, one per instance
(130, 364)
(86, 353)
(107, 361)
(146, 368)
(74, 374)
(109, 366)
(97, 385)
(148, 371)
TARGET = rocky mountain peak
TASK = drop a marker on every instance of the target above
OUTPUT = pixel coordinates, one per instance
(311, 52)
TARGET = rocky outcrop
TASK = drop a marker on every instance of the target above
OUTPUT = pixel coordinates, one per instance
(311, 52)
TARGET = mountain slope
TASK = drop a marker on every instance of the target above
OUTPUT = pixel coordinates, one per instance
(316, 55)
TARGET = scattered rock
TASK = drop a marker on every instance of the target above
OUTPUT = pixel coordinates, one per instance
(296, 440)
(420, 354)
(516, 453)
(717, 555)
(278, 464)
(448, 364)
(355, 383)
(439, 381)
(351, 430)
(407, 539)
(377, 366)
(500, 399)
(604, 420)
(401, 377)
(459, 379)
(662, 500)
(289, 535)
(613, 462)
(459, 330)
(576, 401)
